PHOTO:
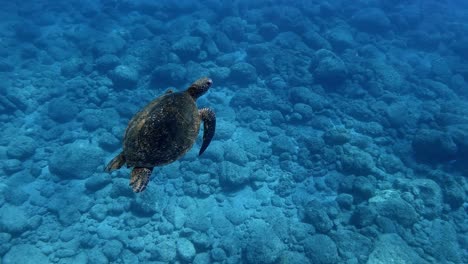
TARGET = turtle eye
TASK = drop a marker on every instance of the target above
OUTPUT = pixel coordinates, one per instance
(209, 82)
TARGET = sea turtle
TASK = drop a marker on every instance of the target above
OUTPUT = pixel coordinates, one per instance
(163, 131)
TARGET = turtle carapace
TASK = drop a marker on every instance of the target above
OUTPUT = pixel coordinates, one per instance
(163, 131)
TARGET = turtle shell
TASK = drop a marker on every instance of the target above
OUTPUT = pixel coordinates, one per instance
(162, 132)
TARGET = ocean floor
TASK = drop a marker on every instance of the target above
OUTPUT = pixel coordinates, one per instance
(342, 131)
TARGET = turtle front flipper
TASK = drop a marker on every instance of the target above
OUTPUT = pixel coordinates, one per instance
(140, 178)
(209, 125)
(116, 163)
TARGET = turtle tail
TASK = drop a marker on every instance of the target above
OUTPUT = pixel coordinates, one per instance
(116, 163)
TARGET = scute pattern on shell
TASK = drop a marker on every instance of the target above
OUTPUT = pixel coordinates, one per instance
(163, 131)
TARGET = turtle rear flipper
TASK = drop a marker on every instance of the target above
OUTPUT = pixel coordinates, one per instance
(116, 163)
(209, 125)
(140, 178)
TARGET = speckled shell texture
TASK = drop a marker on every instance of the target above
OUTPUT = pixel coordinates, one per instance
(162, 132)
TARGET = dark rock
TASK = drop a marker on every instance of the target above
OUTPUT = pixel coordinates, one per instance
(264, 249)
(283, 144)
(386, 225)
(98, 182)
(345, 201)
(363, 188)
(88, 241)
(285, 185)
(168, 75)
(156, 26)
(109, 142)
(108, 119)
(77, 160)
(223, 42)
(390, 163)
(292, 257)
(21, 147)
(13, 220)
(315, 41)
(62, 110)
(124, 77)
(24, 254)
(321, 249)
(341, 38)
(65, 253)
(433, 146)
(187, 48)
(337, 136)
(243, 73)
(233, 27)
(5, 244)
(202, 28)
(136, 245)
(442, 243)
(355, 161)
(6, 104)
(220, 74)
(20, 101)
(256, 98)
(16, 196)
(276, 118)
(118, 207)
(98, 212)
(304, 110)
(143, 206)
(233, 175)
(120, 188)
(235, 154)
(314, 144)
(165, 228)
(107, 62)
(248, 115)
(389, 204)
(229, 59)
(190, 188)
(164, 251)
(289, 18)
(11, 166)
(69, 215)
(202, 258)
(112, 249)
(317, 216)
(95, 255)
(71, 68)
(331, 70)
(372, 20)
(264, 66)
(185, 250)
(141, 32)
(91, 122)
(268, 31)
(428, 198)
(218, 254)
(201, 241)
(454, 194)
(27, 31)
(391, 246)
(102, 93)
(112, 44)
(363, 216)
(352, 244)
(6, 66)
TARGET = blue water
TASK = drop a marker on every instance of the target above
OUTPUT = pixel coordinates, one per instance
(341, 133)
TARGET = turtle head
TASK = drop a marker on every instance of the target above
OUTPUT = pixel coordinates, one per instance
(199, 87)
